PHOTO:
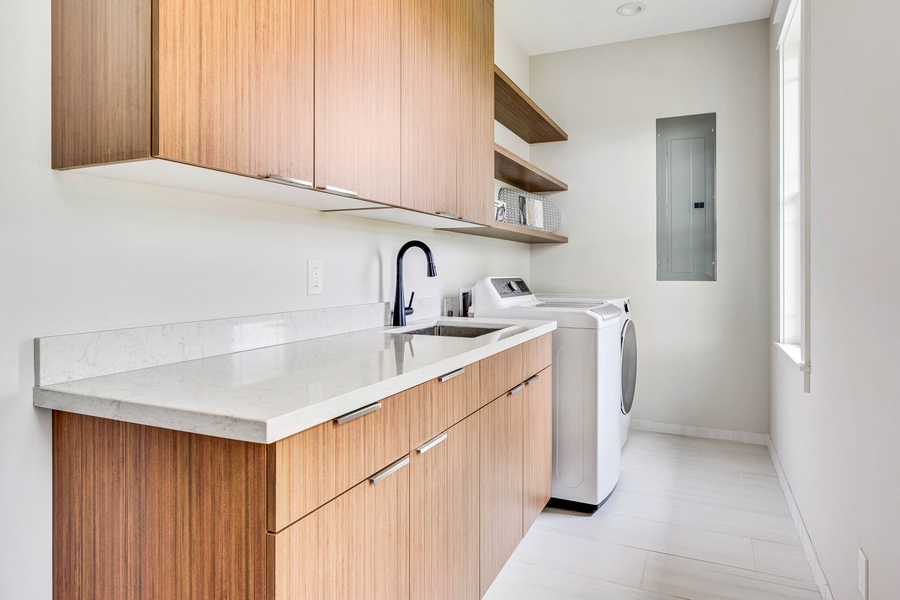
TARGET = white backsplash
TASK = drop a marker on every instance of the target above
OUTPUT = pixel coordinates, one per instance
(63, 358)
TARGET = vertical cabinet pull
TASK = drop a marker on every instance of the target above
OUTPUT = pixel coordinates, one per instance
(517, 389)
(389, 470)
(350, 416)
(431, 443)
(451, 374)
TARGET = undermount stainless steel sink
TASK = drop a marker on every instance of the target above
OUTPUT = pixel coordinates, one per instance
(453, 331)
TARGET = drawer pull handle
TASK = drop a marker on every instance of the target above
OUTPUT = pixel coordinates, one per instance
(517, 389)
(357, 413)
(389, 470)
(288, 181)
(451, 374)
(337, 190)
(532, 379)
(431, 443)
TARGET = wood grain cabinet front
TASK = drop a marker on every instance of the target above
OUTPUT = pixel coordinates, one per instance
(310, 468)
(424, 493)
(447, 119)
(356, 546)
(224, 85)
(443, 512)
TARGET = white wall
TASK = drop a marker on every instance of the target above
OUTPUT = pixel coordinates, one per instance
(512, 60)
(703, 346)
(839, 444)
(80, 253)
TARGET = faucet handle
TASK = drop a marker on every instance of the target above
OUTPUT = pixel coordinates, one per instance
(409, 309)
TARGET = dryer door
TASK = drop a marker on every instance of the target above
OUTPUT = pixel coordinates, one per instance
(629, 365)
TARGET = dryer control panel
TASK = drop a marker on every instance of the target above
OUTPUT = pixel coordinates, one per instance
(510, 287)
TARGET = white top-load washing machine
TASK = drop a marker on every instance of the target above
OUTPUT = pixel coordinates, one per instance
(586, 398)
(627, 347)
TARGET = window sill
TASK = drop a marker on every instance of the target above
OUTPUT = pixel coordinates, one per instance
(791, 357)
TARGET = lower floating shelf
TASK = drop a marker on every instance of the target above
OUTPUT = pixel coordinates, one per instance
(507, 231)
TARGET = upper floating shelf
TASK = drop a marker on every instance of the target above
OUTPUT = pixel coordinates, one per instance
(518, 113)
(517, 171)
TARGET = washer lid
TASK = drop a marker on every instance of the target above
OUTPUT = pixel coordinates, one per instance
(593, 317)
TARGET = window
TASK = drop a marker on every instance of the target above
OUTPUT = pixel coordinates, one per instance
(794, 238)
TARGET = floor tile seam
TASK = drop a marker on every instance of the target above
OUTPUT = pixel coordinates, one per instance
(581, 573)
(745, 573)
(749, 537)
(524, 579)
(627, 545)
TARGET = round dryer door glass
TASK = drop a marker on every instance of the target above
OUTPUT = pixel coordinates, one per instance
(629, 365)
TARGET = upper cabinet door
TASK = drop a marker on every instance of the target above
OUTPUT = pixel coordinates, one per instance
(473, 43)
(429, 118)
(358, 98)
(234, 85)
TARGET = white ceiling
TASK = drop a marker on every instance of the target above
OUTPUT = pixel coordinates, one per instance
(542, 26)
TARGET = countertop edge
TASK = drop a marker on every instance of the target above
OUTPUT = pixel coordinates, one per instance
(283, 426)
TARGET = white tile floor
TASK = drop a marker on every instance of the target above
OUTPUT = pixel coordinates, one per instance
(691, 519)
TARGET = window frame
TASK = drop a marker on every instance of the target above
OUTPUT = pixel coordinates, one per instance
(797, 353)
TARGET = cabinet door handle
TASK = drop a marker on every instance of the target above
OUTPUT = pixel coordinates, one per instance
(449, 215)
(532, 379)
(337, 190)
(288, 180)
(468, 220)
(350, 416)
(431, 443)
(517, 389)
(451, 374)
(389, 470)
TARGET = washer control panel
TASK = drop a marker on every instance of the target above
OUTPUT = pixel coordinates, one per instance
(510, 287)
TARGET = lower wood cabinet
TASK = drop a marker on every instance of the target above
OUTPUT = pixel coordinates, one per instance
(444, 516)
(356, 546)
(515, 458)
(537, 445)
(143, 513)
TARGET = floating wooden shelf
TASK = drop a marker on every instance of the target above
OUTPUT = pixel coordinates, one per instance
(517, 171)
(515, 110)
(507, 231)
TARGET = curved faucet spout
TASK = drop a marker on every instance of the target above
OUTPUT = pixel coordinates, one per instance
(400, 311)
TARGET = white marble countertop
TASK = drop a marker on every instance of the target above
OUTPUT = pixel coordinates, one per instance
(266, 394)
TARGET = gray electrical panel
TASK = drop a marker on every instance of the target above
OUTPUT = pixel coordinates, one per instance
(686, 198)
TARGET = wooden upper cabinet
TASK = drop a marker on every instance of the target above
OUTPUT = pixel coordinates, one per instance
(234, 85)
(429, 124)
(448, 107)
(357, 93)
(473, 42)
(226, 85)
(101, 81)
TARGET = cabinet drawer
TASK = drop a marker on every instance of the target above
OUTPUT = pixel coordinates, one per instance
(437, 405)
(537, 354)
(500, 373)
(356, 546)
(310, 468)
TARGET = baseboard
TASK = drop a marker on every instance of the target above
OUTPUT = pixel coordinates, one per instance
(730, 435)
(761, 439)
(811, 557)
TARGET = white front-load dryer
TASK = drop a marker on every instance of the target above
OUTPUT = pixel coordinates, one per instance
(627, 350)
(586, 428)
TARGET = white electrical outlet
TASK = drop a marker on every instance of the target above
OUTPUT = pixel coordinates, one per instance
(315, 277)
(863, 575)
